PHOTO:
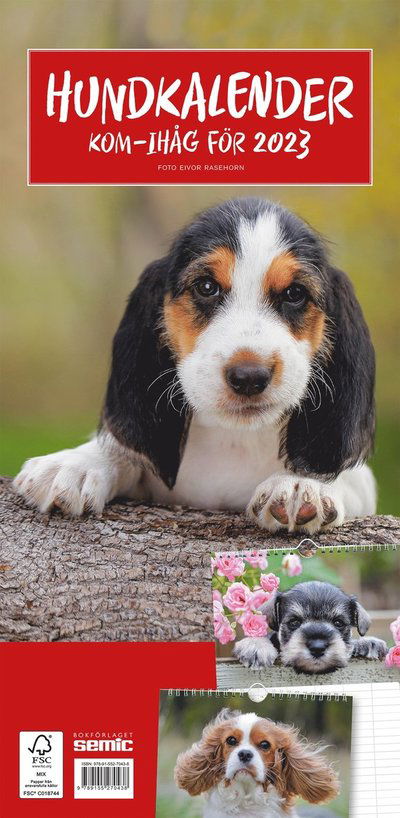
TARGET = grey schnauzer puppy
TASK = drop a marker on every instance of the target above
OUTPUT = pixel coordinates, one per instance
(311, 625)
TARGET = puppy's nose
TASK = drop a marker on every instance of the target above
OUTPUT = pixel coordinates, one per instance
(248, 379)
(245, 756)
(317, 647)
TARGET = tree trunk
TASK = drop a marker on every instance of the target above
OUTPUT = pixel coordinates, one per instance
(135, 573)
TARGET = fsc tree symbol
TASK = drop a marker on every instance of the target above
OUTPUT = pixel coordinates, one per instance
(41, 745)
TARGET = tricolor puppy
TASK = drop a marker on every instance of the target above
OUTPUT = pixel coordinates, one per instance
(311, 626)
(254, 768)
(242, 377)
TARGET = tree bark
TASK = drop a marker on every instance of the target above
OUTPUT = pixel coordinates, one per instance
(135, 573)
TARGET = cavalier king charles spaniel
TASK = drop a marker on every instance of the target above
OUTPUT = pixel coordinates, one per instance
(254, 768)
(242, 377)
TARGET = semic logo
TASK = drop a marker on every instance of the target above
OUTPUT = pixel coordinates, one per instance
(103, 745)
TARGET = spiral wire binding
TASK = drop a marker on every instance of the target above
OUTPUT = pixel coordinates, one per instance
(322, 549)
(224, 694)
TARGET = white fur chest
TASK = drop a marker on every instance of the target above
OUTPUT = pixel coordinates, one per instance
(243, 799)
(220, 467)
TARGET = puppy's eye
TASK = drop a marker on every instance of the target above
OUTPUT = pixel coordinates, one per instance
(231, 740)
(206, 288)
(294, 622)
(339, 623)
(296, 295)
(264, 745)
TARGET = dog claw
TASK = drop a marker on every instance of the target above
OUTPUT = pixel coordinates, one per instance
(60, 504)
(330, 511)
(306, 512)
(259, 504)
(295, 503)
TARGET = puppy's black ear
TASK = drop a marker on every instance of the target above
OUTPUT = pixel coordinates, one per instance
(334, 426)
(359, 617)
(273, 610)
(136, 412)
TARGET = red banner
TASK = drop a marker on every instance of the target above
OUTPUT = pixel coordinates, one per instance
(253, 117)
(67, 704)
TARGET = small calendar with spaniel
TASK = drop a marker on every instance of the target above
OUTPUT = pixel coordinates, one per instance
(232, 754)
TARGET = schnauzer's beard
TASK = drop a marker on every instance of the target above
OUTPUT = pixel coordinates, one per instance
(296, 654)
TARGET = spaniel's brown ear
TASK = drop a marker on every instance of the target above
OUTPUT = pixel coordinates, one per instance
(139, 409)
(300, 769)
(194, 771)
(202, 767)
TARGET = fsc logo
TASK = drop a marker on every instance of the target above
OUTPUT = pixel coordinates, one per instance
(40, 764)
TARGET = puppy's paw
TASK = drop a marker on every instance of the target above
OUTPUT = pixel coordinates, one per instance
(255, 653)
(296, 504)
(369, 647)
(74, 480)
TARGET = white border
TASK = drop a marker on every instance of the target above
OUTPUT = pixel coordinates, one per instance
(370, 183)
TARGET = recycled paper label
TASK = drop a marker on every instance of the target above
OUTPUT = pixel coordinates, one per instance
(40, 764)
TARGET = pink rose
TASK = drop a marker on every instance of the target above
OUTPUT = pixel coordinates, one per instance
(223, 630)
(237, 597)
(254, 624)
(395, 628)
(258, 559)
(216, 595)
(269, 582)
(393, 657)
(258, 598)
(291, 565)
(218, 607)
(229, 566)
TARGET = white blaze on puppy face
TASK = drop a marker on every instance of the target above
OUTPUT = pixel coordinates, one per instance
(234, 764)
(246, 328)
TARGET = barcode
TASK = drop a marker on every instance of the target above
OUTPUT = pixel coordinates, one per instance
(110, 778)
(103, 778)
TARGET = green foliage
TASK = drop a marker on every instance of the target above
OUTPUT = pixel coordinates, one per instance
(379, 568)
(315, 568)
(316, 718)
(386, 464)
(21, 440)
(168, 807)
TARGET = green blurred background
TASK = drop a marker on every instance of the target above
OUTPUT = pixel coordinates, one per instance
(70, 255)
(182, 719)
